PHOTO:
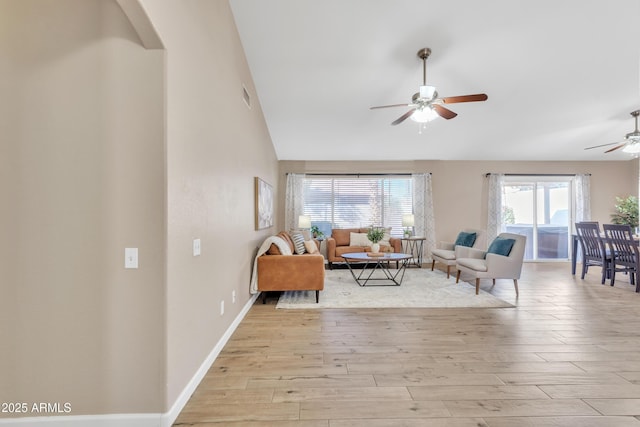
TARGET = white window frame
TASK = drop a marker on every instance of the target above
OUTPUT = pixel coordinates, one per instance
(571, 203)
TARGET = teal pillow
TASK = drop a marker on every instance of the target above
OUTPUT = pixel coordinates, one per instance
(501, 246)
(465, 239)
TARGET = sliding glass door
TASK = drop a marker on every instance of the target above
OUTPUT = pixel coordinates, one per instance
(539, 208)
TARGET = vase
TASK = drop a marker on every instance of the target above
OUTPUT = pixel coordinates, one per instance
(375, 248)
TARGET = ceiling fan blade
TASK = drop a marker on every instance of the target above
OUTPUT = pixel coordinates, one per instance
(403, 117)
(445, 113)
(616, 147)
(390, 106)
(465, 98)
(602, 145)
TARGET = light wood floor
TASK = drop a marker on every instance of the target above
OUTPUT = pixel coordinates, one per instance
(567, 355)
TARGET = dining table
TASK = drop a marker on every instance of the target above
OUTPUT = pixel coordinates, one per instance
(574, 250)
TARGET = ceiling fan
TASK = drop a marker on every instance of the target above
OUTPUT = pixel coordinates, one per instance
(426, 105)
(631, 143)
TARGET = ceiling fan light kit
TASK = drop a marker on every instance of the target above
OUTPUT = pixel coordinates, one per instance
(632, 148)
(631, 144)
(424, 115)
(425, 105)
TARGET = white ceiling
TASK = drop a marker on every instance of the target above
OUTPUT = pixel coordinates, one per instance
(560, 75)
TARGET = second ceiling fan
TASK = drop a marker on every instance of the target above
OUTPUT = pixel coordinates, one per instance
(425, 104)
(631, 143)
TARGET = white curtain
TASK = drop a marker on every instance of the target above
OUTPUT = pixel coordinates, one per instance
(583, 197)
(423, 210)
(294, 200)
(494, 206)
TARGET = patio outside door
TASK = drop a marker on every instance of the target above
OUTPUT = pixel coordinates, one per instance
(541, 210)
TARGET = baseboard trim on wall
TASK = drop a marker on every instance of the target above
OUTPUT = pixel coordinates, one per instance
(169, 418)
(112, 420)
(138, 420)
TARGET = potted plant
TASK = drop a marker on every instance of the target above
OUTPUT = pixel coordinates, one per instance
(626, 211)
(375, 235)
(316, 233)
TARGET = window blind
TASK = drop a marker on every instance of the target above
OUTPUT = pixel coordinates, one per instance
(350, 202)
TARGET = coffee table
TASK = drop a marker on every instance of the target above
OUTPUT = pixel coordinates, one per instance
(379, 263)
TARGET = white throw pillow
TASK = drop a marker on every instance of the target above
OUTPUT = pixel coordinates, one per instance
(359, 239)
(310, 246)
(387, 236)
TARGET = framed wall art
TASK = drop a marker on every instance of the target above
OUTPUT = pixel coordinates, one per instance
(264, 204)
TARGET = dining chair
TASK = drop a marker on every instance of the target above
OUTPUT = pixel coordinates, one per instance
(594, 252)
(624, 252)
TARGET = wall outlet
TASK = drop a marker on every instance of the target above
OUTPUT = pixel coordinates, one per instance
(221, 307)
(233, 296)
(196, 247)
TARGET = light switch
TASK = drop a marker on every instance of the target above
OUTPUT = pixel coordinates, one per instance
(196, 247)
(130, 257)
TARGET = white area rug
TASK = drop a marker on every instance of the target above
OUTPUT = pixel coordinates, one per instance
(420, 288)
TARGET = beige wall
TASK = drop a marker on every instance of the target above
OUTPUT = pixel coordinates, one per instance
(460, 187)
(107, 145)
(82, 164)
(215, 147)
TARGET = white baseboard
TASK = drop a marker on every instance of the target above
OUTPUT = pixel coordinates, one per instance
(137, 420)
(114, 420)
(169, 418)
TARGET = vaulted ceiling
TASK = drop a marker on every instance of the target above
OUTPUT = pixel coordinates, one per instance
(560, 76)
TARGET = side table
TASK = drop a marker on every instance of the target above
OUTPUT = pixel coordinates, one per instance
(414, 246)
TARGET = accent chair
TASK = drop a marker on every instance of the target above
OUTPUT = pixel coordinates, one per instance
(445, 252)
(502, 260)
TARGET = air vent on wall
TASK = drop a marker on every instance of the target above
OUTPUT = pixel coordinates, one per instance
(246, 97)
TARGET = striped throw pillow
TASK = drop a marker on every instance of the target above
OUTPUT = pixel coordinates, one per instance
(298, 242)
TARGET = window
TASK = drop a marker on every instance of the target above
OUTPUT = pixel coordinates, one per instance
(540, 208)
(351, 202)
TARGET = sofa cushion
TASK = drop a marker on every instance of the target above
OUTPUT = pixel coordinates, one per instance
(298, 242)
(465, 239)
(474, 264)
(444, 254)
(359, 239)
(287, 239)
(386, 237)
(342, 236)
(274, 250)
(340, 250)
(311, 246)
(501, 246)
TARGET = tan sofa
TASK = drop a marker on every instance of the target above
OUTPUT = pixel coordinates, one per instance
(340, 243)
(276, 272)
